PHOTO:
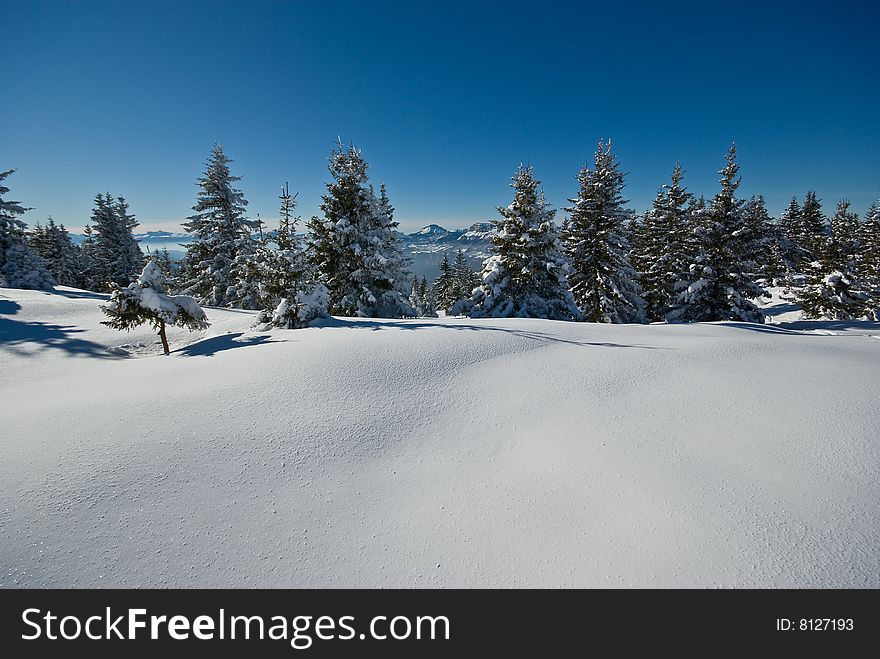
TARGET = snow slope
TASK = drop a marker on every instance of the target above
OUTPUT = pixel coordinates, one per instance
(442, 452)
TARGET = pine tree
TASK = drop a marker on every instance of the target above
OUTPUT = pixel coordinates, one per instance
(355, 246)
(168, 266)
(289, 295)
(757, 237)
(526, 277)
(833, 287)
(721, 282)
(221, 239)
(19, 266)
(145, 301)
(421, 298)
(445, 285)
(811, 230)
(384, 267)
(663, 246)
(869, 259)
(794, 254)
(62, 257)
(603, 281)
(113, 252)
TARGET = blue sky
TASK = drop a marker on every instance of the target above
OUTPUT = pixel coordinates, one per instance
(444, 98)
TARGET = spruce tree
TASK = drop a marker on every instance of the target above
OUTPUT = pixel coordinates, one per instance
(221, 234)
(757, 237)
(62, 257)
(869, 259)
(812, 229)
(20, 267)
(421, 298)
(721, 283)
(445, 288)
(289, 295)
(603, 281)
(145, 301)
(113, 252)
(663, 251)
(789, 229)
(355, 246)
(833, 287)
(526, 276)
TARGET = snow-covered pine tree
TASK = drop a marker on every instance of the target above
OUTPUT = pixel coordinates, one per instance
(145, 301)
(62, 257)
(355, 246)
(169, 267)
(526, 277)
(789, 235)
(757, 237)
(384, 268)
(465, 281)
(833, 288)
(812, 228)
(421, 298)
(869, 259)
(20, 267)
(113, 253)
(445, 288)
(289, 294)
(664, 246)
(721, 285)
(221, 233)
(603, 281)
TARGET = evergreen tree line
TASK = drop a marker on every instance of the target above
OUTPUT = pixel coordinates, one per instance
(685, 259)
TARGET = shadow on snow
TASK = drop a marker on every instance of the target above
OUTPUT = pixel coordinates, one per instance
(209, 347)
(378, 325)
(14, 333)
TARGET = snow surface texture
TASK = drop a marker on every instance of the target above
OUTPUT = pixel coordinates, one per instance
(442, 452)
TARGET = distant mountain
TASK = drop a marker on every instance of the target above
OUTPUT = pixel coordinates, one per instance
(162, 235)
(426, 246)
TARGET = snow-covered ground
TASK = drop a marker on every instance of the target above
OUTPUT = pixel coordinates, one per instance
(442, 452)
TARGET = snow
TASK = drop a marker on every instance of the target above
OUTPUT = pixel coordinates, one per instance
(443, 452)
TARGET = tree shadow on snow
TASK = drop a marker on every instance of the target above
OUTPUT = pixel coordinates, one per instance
(14, 333)
(805, 327)
(9, 307)
(377, 325)
(79, 295)
(212, 346)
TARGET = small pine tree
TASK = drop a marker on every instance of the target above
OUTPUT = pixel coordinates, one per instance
(62, 257)
(721, 284)
(221, 234)
(812, 229)
(144, 301)
(421, 298)
(289, 294)
(604, 283)
(445, 286)
(526, 277)
(20, 267)
(833, 288)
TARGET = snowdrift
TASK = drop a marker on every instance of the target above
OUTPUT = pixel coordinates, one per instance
(441, 452)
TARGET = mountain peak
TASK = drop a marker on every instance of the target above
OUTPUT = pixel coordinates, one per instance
(431, 230)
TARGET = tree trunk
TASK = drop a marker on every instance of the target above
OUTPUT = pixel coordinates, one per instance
(163, 337)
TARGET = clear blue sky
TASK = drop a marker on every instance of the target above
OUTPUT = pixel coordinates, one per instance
(444, 98)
